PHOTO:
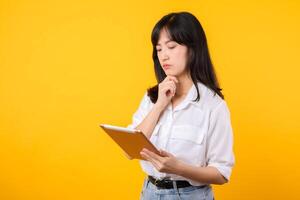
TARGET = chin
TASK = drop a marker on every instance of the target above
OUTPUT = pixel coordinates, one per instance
(170, 73)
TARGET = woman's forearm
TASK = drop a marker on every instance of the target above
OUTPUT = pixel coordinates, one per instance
(208, 175)
(148, 124)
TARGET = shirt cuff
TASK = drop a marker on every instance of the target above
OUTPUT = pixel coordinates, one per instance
(224, 170)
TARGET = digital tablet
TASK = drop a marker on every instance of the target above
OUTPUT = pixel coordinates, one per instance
(130, 140)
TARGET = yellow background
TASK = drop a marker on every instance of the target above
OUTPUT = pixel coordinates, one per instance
(66, 66)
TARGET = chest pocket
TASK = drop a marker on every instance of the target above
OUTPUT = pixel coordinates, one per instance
(186, 143)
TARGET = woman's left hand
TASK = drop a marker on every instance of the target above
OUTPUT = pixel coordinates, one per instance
(165, 162)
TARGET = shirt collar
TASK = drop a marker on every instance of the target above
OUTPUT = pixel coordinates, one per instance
(192, 95)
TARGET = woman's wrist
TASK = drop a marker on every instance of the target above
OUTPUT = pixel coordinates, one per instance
(179, 169)
(158, 107)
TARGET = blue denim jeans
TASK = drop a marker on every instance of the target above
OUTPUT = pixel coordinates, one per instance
(151, 192)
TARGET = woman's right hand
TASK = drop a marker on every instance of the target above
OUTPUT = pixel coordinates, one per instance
(166, 91)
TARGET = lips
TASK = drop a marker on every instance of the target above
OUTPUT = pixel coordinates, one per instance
(166, 66)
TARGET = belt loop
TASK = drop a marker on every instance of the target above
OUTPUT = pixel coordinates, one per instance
(147, 182)
(176, 189)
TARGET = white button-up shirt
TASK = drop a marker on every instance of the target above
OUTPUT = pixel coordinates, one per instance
(197, 133)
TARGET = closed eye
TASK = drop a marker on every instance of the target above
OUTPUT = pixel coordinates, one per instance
(168, 48)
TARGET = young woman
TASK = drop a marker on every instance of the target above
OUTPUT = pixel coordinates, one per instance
(184, 116)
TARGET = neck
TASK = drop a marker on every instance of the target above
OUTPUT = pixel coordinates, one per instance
(184, 85)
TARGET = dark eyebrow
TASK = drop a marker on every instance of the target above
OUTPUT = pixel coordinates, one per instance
(165, 42)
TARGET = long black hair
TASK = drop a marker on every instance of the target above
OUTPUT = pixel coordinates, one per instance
(185, 29)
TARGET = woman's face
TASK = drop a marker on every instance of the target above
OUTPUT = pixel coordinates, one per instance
(172, 56)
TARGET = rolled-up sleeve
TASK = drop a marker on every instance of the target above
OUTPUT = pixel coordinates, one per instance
(141, 112)
(220, 141)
